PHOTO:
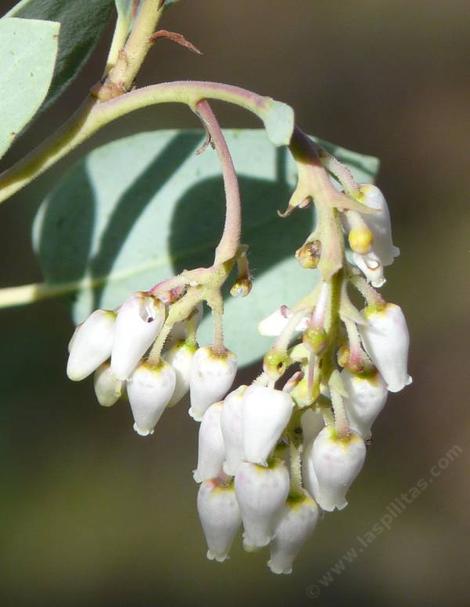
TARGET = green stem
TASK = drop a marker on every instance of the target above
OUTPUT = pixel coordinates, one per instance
(92, 116)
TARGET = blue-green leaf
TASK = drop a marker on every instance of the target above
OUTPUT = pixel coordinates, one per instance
(28, 50)
(143, 208)
(82, 22)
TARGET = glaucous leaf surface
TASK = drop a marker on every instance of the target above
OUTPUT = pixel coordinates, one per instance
(143, 208)
(28, 51)
(82, 22)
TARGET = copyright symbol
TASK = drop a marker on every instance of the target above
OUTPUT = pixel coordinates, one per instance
(312, 591)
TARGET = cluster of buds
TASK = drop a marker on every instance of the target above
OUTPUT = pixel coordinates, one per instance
(273, 454)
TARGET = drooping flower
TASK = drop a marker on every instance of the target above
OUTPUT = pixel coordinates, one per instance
(91, 344)
(367, 395)
(266, 413)
(385, 337)
(220, 518)
(232, 430)
(211, 449)
(273, 325)
(150, 388)
(108, 388)
(330, 466)
(379, 223)
(261, 493)
(180, 357)
(297, 522)
(211, 377)
(138, 323)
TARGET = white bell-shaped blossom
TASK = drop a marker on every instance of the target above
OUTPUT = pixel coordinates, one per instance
(386, 338)
(108, 388)
(138, 323)
(220, 518)
(261, 493)
(232, 430)
(379, 223)
(367, 395)
(211, 449)
(275, 323)
(149, 389)
(330, 466)
(211, 377)
(371, 266)
(266, 412)
(297, 522)
(180, 357)
(91, 344)
(312, 422)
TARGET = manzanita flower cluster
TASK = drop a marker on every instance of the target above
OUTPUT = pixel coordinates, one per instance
(273, 454)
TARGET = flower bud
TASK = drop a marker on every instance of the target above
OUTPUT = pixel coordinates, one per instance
(266, 413)
(330, 466)
(220, 517)
(242, 287)
(211, 376)
(309, 254)
(138, 323)
(379, 223)
(298, 520)
(150, 388)
(261, 494)
(108, 388)
(211, 449)
(275, 363)
(316, 339)
(180, 357)
(231, 423)
(273, 325)
(367, 394)
(91, 344)
(360, 239)
(371, 266)
(386, 340)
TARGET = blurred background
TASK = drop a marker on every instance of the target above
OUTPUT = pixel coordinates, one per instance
(91, 514)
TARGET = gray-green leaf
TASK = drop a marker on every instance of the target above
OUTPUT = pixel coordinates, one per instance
(82, 22)
(28, 50)
(143, 208)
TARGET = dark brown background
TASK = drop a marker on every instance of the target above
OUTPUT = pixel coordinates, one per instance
(92, 515)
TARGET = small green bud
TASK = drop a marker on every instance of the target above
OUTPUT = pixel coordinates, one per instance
(315, 339)
(275, 363)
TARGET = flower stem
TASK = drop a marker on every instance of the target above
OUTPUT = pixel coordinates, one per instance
(230, 240)
(91, 116)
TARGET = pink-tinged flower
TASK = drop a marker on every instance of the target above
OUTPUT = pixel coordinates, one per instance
(211, 377)
(266, 413)
(232, 430)
(108, 388)
(138, 323)
(180, 357)
(261, 493)
(330, 466)
(385, 337)
(219, 515)
(367, 395)
(91, 344)
(150, 388)
(297, 522)
(211, 449)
